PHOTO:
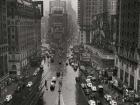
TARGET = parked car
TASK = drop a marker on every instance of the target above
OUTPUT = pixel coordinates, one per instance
(89, 77)
(75, 66)
(30, 83)
(35, 73)
(89, 85)
(52, 86)
(99, 102)
(87, 91)
(92, 96)
(93, 88)
(52, 60)
(100, 89)
(19, 88)
(58, 74)
(113, 102)
(66, 63)
(53, 79)
(108, 97)
(60, 63)
(77, 79)
(91, 102)
(41, 67)
(8, 98)
(88, 80)
(84, 86)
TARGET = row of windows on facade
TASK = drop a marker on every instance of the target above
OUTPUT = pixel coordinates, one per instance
(24, 6)
(130, 16)
(94, 12)
(3, 71)
(94, 8)
(24, 43)
(128, 65)
(3, 18)
(20, 56)
(3, 2)
(21, 48)
(3, 27)
(129, 55)
(129, 24)
(2, 10)
(129, 5)
(22, 23)
(128, 35)
(3, 41)
(3, 49)
(23, 30)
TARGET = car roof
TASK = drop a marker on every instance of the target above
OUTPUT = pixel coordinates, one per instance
(52, 83)
(9, 95)
(91, 100)
(100, 86)
(30, 82)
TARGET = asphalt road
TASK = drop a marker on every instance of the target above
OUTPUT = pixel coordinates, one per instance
(70, 92)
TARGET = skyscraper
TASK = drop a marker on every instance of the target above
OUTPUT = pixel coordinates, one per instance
(127, 43)
(3, 43)
(24, 33)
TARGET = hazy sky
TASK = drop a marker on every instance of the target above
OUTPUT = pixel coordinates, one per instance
(46, 4)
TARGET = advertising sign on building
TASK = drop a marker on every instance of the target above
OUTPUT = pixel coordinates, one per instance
(85, 57)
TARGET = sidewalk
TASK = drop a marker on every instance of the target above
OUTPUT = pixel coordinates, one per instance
(99, 52)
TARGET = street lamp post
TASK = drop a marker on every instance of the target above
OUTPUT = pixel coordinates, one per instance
(59, 91)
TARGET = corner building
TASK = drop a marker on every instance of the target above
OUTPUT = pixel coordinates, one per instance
(127, 59)
(24, 34)
(3, 44)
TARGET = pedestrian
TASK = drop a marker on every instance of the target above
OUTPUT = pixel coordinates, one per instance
(46, 85)
(48, 63)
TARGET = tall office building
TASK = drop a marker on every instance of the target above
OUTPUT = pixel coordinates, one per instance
(128, 43)
(3, 44)
(95, 22)
(86, 9)
(24, 33)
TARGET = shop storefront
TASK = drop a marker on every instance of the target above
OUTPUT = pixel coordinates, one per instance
(132, 81)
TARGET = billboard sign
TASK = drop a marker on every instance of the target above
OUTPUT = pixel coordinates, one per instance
(85, 57)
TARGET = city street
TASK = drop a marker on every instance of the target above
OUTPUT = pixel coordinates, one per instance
(70, 94)
(69, 52)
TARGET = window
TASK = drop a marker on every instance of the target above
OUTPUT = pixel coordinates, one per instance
(13, 36)
(12, 29)
(139, 73)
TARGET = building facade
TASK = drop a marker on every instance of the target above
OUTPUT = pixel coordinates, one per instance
(85, 11)
(3, 44)
(127, 43)
(95, 19)
(58, 33)
(24, 33)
